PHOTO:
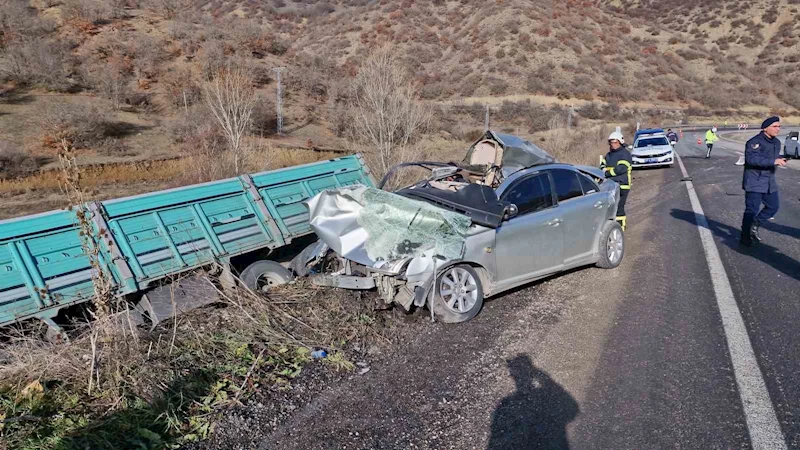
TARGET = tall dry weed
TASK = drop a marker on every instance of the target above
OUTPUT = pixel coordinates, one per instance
(578, 145)
(172, 381)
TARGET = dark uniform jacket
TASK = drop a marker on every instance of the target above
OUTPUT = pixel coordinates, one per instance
(617, 166)
(760, 154)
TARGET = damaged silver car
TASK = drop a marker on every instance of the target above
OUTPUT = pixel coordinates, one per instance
(507, 215)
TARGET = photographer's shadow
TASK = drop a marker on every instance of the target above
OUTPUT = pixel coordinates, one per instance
(536, 415)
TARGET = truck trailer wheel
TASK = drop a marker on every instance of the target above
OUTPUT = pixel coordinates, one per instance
(262, 275)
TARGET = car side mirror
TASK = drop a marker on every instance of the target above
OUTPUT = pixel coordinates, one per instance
(510, 211)
(630, 146)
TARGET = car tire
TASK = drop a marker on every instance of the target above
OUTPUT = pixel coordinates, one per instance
(264, 274)
(611, 246)
(467, 300)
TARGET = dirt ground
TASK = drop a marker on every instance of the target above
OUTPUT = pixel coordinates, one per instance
(406, 397)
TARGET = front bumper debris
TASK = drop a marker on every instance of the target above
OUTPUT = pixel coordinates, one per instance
(343, 281)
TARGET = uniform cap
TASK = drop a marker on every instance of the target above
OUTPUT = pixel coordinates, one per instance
(765, 124)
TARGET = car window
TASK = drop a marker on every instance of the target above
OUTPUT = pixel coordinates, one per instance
(567, 184)
(587, 184)
(531, 194)
(649, 142)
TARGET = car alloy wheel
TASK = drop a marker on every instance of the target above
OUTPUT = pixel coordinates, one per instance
(614, 246)
(458, 290)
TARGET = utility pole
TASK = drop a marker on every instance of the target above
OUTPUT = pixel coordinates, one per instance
(486, 119)
(279, 100)
(569, 116)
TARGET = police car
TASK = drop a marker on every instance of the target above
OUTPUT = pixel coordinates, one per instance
(651, 149)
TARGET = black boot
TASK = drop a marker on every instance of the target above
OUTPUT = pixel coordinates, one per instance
(746, 240)
(754, 233)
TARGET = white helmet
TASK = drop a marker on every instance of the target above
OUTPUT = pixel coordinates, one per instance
(617, 136)
(713, 129)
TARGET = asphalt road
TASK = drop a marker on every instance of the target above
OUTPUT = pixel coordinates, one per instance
(638, 357)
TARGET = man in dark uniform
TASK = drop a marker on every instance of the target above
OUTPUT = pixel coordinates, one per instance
(617, 166)
(761, 158)
(672, 136)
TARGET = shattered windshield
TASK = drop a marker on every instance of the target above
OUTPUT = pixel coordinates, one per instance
(399, 227)
(368, 225)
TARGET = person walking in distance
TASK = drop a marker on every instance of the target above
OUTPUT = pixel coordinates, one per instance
(672, 136)
(617, 166)
(761, 158)
(711, 138)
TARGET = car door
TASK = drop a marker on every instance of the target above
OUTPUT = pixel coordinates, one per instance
(583, 208)
(530, 244)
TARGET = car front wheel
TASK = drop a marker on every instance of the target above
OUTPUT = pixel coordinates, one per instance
(459, 294)
(611, 245)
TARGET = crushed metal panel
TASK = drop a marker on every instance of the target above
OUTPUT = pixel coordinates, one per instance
(517, 153)
(334, 218)
(369, 226)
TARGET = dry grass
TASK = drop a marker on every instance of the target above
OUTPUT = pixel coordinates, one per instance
(153, 389)
(579, 145)
(95, 177)
(40, 192)
(265, 157)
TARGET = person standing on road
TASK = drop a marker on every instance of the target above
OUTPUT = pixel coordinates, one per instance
(672, 136)
(617, 166)
(761, 157)
(711, 138)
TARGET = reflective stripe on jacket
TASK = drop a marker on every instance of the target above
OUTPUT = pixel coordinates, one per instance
(617, 166)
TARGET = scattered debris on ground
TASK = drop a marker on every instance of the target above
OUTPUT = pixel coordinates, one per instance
(122, 387)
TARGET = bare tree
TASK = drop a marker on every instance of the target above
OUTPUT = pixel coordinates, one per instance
(231, 98)
(387, 115)
(112, 83)
(36, 61)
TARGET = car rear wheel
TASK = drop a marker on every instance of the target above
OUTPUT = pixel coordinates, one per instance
(263, 275)
(612, 245)
(459, 294)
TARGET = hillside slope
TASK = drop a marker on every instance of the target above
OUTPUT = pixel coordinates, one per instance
(142, 62)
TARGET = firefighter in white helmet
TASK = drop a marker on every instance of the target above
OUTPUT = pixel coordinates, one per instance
(617, 166)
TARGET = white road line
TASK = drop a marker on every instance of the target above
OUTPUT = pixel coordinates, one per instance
(762, 423)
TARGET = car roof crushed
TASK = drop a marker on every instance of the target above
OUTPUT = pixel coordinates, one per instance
(517, 153)
(369, 225)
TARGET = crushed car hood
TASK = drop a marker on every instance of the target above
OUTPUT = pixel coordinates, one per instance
(374, 227)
